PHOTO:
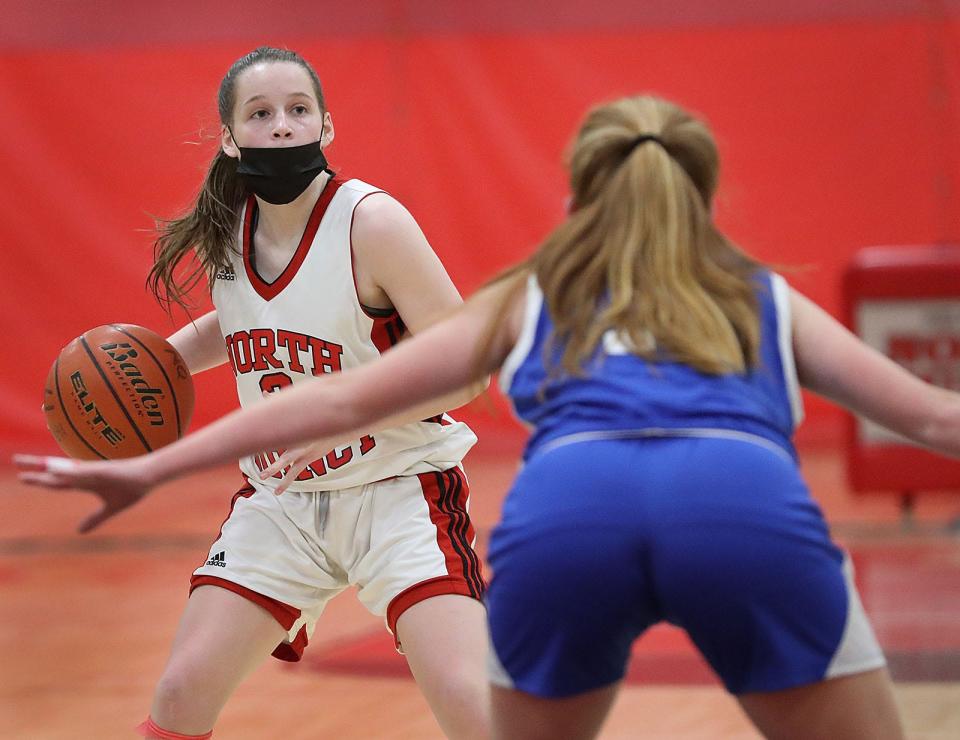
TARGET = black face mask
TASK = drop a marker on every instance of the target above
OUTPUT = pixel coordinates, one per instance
(280, 174)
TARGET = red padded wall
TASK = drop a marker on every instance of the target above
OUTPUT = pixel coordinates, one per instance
(837, 130)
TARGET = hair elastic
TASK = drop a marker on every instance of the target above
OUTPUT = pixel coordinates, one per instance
(642, 138)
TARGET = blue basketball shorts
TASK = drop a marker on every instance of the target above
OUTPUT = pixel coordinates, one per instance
(601, 539)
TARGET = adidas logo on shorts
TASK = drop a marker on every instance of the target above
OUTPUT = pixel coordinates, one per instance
(219, 560)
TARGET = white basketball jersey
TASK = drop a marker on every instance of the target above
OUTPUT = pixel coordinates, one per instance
(309, 321)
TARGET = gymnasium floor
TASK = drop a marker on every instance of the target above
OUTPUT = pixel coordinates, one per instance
(87, 622)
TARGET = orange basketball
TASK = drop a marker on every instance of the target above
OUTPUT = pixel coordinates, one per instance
(117, 391)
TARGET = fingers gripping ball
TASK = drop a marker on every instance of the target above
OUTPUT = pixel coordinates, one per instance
(117, 391)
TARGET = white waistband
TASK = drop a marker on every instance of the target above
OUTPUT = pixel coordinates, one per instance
(654, 432)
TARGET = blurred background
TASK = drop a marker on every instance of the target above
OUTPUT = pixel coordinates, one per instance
(838, 125)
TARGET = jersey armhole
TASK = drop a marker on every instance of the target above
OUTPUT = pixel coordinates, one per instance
(528, 331)
(370, 312)
(781, 300)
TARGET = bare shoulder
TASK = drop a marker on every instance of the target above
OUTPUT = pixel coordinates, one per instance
(393, 258)
(381, 220)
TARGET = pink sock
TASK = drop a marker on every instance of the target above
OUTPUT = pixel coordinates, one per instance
(152, 731)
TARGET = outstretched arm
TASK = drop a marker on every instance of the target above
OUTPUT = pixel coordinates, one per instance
(836, 364)
(438, 361)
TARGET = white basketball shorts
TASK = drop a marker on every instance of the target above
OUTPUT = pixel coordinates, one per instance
(400, 541)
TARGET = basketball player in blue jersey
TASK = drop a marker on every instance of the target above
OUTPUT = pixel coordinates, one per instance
(658, 366)
(312, 274)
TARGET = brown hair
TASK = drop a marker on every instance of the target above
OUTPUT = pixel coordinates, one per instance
(639, 254)
(207, 232)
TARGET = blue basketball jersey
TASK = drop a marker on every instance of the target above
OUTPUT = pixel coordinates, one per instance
(624, 395)
(652, 493)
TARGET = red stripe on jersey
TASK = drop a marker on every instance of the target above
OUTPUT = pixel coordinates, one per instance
(386, 331)
(268, 291)
(353, 271)
(388, 328)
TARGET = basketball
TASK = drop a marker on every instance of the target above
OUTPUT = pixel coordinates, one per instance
(117, 391)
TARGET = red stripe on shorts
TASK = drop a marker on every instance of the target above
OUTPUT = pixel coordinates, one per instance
(285, 614)
(246, 492)
(446, 495)
(439, 586)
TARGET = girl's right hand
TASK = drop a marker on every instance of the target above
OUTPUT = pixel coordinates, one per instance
(119, 484)
(294, 461)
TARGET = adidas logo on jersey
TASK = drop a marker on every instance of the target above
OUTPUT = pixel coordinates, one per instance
(226, 273)
(219, 560)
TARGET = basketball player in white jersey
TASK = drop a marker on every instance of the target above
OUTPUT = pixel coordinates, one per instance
(313, 274)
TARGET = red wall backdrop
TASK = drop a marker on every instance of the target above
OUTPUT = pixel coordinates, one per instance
(838, 128)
